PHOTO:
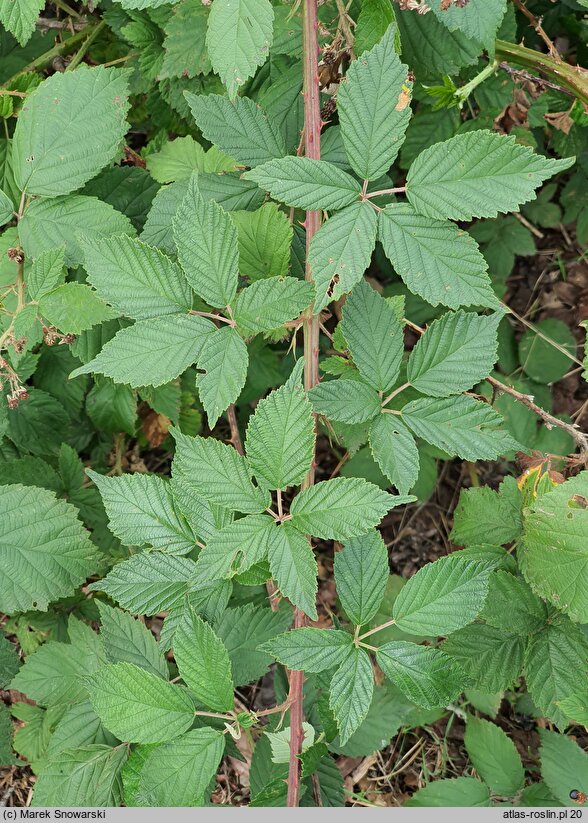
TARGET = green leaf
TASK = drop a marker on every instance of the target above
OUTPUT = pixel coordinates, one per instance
(69, 128)
(361, 575)
(265, 239)
(149, 583)
(126, 640)
(437, 260)
(280, 438)
(442, 597)
(486, 516)
(351, 692)
(179, 158)
(341, 508)
(454, 354)
(73, 308)
(45, 273)
(19, 17)
(243, 631)
(86, 776)
(79, 726)
(306, 183)
(238, 127)
(460, 425)
(9, 661)
(204, 663)
(141, 511)
(45, 552)
(310, 650)
(224, 359)
(238, 40)
(427, 676)
(556, 667)
(375, 17)
(512, 606)
(135, 278)
(374, 108)
(341, 251)
(137, 706)
(395, 451)
(216, 472)
(294, 568)
(494, 757)
(112, 406)
(477, 174)
(492, 657)
(179, 773)
(456, 791)
(268, 304)
(6, 208)
(564, 766)
(152, 352)
(347, 401)
(235, 548)
(539, 358)
(184, 44)
(50, 223)
(374, 336)
(554, 556)
(206, 239)
(478, 20)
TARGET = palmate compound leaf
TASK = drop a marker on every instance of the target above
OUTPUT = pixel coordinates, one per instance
(127, 640)
(238, 127)
(395, 451)
(280, 438)
(556, 667)
(310, 650)
(361, 575)
(294, 568)
(554, 552)
(442, 597)
(142, 512)
(454, 354)
(342, 508)
(306, 183)
(346, 401)
(494, 757)
(85, 776)
(69, 129)
(138, 706)
(45, 552)
(149, 582)
(427, 676)
(374, 336)
(240, 33)
(341, 251)
(351, 692)
(138, 280)
(216, 472)
(152, 352)
(204, 663)
(436, 259)
(268, 304)
(206, 240)
(373, 103)
(477, 174)
(224, 360)
(179, 773)
(460, 425)
(235, 548)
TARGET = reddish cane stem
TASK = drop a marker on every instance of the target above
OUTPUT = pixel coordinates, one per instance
(312, 147)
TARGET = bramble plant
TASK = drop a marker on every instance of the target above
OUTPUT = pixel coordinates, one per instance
(166, 474)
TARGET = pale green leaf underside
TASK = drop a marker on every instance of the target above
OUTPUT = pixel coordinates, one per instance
(69, 128)
(45, 552)
(477, 174)
(373, 120)
(437, 260)
(341, 251)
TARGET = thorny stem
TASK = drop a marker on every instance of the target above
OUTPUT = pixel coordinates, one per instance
(81, 53)
(312, 146)
(46, 58)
